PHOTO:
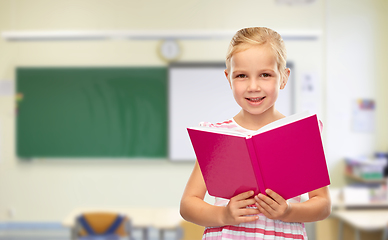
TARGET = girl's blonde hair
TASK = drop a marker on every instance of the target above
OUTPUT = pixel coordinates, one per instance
(255, 36)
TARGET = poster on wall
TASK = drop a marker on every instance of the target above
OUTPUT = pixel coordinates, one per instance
(310, 90)
(363, 115)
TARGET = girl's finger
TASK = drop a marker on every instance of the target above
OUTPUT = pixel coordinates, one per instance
(248, 202)
(266, 201)
(279, 199)
(263, 211)
(242, 204)
(243, 195)
(248, 219)
(249, 211)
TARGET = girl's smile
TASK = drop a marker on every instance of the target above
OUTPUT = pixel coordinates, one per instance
(255, 101)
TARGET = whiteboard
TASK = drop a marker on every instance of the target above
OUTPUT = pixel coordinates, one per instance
(200, 92)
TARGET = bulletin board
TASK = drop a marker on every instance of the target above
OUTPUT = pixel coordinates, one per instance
(200, 92)
(92, 112)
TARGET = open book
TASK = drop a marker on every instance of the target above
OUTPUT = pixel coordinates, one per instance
(285, 156)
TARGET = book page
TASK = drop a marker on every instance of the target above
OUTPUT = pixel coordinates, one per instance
(220, 131)
(283, 121)
(270, 126)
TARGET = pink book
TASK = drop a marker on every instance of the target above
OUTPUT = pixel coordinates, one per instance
(286, 156)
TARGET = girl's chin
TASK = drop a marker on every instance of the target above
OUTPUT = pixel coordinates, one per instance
(257, 112)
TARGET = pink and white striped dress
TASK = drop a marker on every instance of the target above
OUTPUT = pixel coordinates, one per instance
(261, 229)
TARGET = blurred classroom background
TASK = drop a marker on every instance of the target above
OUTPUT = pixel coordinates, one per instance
(338, 51)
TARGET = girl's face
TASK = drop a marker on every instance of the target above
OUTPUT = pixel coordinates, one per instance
(255, 79)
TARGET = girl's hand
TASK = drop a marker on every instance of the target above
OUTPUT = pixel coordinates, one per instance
(272, 206)
(236, 211)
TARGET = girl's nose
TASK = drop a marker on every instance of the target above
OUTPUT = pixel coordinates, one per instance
(253, 85)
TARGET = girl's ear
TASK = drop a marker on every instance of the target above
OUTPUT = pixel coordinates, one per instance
(285, 78)
(227, 77)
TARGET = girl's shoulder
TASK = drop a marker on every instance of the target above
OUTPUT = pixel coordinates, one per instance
(224, 124)
(229, 124)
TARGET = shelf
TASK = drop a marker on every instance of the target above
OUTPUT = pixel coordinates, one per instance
(359, 179)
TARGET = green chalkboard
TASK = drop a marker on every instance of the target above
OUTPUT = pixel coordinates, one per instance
(92, 112)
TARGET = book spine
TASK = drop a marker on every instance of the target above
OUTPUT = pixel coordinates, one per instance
(255, 165)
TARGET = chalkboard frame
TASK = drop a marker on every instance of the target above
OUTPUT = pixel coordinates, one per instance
(125, 111)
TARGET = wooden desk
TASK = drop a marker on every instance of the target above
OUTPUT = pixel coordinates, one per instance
(160, 218)
(362, 220)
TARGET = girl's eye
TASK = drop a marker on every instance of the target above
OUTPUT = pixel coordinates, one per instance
(265, 75)
(241, 76)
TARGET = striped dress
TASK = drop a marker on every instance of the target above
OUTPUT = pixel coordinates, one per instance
(261, 229)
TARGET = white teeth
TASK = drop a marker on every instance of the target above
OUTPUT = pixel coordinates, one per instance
(256, 99)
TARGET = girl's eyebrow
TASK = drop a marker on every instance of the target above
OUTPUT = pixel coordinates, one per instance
(239, 70)
(268, 69)
(260, 70)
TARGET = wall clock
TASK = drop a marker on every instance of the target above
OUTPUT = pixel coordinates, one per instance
(169, 50)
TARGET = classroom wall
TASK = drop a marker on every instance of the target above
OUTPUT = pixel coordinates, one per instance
(356, 55)
(382, 60)
(47, 189)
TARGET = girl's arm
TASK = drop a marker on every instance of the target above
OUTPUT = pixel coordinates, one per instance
(194, 209)
(318, 207)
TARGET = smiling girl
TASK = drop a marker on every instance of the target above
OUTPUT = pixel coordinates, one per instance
(256, 72)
